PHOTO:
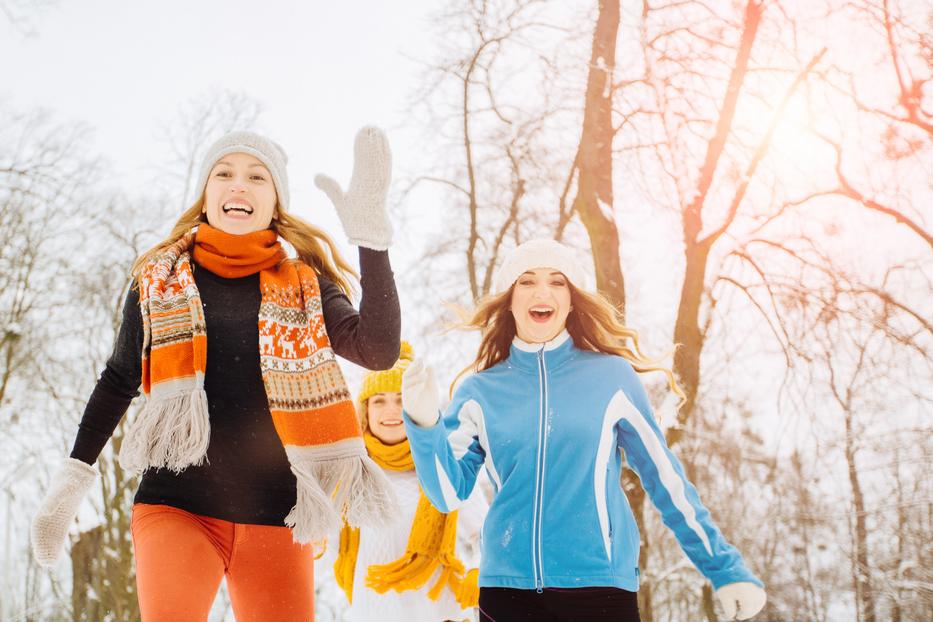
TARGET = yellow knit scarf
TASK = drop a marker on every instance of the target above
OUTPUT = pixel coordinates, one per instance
(430, 545)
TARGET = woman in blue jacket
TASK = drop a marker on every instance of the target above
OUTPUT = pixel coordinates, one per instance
(556, 396)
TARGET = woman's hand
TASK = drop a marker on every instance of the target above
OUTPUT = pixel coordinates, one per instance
(741, 601)
(362, 208)
(50, 526)
(419, 394)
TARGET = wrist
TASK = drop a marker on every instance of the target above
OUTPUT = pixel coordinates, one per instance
(370, 244)
(422, 420)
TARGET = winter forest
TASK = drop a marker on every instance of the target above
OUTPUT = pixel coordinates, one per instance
(750, 181)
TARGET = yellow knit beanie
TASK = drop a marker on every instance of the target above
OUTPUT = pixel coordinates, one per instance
(388, 380)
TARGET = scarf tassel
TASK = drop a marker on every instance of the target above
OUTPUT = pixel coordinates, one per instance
(406, 573)
(353, 486)
(467, 593)
(414, 571)
(345, 566)
(171, 433)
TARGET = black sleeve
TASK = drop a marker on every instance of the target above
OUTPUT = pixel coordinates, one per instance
(370, 337)
(116, 388)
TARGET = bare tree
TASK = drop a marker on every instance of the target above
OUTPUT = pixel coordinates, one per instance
(197, 123)
(501, 169)
(738, 124)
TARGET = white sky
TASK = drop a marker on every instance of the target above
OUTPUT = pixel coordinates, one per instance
(320, 70)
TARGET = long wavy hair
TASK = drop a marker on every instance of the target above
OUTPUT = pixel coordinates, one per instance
(314, 247)
(593, 324)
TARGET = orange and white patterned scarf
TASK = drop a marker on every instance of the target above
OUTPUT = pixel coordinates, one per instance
(310, 404)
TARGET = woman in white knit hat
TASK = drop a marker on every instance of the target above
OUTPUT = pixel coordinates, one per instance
(248, 445)
(555, 398)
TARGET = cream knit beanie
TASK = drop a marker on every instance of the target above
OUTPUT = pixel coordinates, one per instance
(541, 253)
(265, 150)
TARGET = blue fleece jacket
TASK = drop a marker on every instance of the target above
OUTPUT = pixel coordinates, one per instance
(548, 423)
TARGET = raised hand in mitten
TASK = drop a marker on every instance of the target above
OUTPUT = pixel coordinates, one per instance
(50, 526)
(742, 600)
(419, 394)
(362, 208)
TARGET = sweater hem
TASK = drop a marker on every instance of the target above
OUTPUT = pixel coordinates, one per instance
(567, 581)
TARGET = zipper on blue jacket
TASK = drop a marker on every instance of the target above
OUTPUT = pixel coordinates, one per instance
(538, 514)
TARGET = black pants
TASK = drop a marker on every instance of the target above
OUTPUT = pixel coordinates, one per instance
(500, 604)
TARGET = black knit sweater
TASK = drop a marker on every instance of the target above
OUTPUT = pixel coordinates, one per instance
(247, 478)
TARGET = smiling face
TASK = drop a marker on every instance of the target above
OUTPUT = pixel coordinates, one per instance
(240, 195)
(540, 304)
(384, 416)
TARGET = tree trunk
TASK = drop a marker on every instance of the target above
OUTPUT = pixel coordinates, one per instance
(687, 332)
(594, 200)
(709, 608)
(83, 555)
(860, 568)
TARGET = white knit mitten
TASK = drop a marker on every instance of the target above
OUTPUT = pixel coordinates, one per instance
(362, 208)
(419, 394)
(50, 526)
(741, 601)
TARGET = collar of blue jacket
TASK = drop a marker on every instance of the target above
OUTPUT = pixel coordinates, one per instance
(556, 352)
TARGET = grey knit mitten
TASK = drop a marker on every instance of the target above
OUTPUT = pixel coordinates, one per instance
(50, 526)
(362, 208)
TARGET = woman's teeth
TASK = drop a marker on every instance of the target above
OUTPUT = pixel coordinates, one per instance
(541, 313)
(392, 422)
(237, 207)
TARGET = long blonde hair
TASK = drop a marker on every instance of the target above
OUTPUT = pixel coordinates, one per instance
(593, 324)
(314, 247)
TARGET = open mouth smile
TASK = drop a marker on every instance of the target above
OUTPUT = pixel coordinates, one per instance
(390, 423)
(237, 208)
(541, 313)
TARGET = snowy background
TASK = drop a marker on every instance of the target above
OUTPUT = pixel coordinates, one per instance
(808, 428)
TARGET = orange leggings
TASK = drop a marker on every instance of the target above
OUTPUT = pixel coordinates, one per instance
(181, 559)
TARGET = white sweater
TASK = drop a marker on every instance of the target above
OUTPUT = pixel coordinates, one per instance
(387, 544)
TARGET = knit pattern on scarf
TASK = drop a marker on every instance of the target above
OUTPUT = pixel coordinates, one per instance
(431, 544)
(311, 408)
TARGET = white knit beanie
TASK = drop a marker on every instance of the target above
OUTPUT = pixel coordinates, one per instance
(541, 253)
(263, 149)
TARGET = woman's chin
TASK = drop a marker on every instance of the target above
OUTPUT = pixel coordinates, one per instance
(237, 227)
(393, 437)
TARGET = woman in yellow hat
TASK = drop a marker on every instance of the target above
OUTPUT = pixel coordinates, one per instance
(417, 567)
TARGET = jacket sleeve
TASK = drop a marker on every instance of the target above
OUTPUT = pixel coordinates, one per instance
(663, 478)
(368, 337)
(448, 455)
(117, 386)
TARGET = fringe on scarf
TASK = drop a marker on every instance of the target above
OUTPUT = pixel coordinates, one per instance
(414, 570)
(351, 486)
(171, 433)
(345, 565)
(467, 594)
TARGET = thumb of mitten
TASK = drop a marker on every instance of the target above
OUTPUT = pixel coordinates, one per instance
(331, 188)
(728, 607)
(741, 600)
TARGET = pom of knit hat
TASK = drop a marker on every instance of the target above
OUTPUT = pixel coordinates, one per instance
(267, 151)
(387, 380)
